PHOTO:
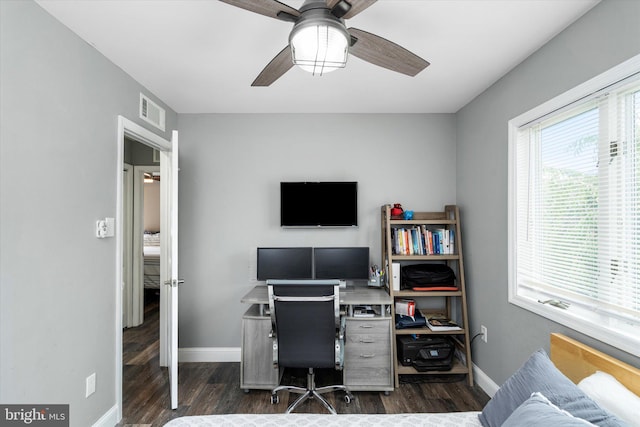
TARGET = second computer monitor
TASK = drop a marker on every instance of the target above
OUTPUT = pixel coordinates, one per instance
(341, 263)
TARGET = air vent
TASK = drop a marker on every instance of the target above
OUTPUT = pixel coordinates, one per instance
(151, 112)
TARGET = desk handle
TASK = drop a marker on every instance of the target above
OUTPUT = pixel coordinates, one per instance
(367, 340)
(367, 356)
(304, 299)
(365, 326)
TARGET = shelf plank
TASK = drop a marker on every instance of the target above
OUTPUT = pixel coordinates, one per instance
(417, 294)
(457, 368)
(422, 221)
(427, 331)
(447, 257)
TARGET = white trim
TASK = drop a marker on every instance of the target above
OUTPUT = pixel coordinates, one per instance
(209, 354)
(127, 310)
(484, 382)
(109, 419)
(134, 131)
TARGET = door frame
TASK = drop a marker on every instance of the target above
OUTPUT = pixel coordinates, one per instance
(136, 132)
(127, 273)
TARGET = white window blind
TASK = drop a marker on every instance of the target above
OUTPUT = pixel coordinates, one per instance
(575, 214)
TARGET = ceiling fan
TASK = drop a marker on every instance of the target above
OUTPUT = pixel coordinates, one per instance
(320, 42)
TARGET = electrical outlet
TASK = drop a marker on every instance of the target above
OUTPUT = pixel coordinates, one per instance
(483, 331)
(90, 385)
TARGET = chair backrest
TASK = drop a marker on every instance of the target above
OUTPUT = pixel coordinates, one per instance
(306, 317)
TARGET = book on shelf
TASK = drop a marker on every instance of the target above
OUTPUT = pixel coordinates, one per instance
(422, 240)
(439, 322)
(405, 307)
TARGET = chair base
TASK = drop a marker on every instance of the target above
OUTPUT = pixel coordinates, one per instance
(311, 392)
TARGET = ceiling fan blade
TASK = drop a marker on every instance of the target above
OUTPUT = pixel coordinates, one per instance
(279, 65)
(357, 6)
(270, 8)
(384, 53)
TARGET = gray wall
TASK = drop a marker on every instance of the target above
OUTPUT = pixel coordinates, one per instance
(59, 107)
(231, 167)
(602, 38)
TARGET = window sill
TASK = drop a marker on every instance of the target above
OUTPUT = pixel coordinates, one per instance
(588, 321)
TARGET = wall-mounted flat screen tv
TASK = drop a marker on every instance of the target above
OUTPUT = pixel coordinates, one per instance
(318, 204)
(341, 263)
(285, 263)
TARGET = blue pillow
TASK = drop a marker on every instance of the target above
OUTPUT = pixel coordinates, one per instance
(539, 374)
(537, 411)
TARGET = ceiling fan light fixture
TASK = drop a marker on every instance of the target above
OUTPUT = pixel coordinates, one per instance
(319, 45)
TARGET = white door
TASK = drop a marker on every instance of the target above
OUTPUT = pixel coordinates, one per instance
(169, 240)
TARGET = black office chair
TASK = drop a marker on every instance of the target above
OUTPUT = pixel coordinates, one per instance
(307, 333)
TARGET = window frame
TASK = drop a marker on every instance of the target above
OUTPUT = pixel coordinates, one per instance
(582, 320)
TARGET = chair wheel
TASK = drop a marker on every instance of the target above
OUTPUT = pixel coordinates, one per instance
(274, 399)
(348, 397)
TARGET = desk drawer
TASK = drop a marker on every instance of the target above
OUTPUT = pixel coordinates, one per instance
(366, 378)
(368, 326)
(366, 356)
(367, 346)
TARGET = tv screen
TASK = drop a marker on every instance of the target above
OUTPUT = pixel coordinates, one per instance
(318, 204)
(341, 263)
(285, 263)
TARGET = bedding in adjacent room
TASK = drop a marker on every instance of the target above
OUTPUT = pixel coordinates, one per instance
(151, 255)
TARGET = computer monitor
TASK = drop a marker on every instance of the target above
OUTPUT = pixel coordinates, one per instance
(285, 263)
(341, 263)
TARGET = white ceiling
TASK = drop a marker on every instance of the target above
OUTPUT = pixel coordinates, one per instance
(200, 56)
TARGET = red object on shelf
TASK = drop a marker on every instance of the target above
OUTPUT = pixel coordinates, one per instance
(396, 210)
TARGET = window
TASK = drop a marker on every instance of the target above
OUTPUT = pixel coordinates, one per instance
(574, 208)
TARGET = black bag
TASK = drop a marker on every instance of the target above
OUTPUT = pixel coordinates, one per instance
(427, 277)
(437, 355)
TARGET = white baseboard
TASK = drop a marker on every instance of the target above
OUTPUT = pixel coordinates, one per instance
(109, 419)
(209, 354)
(485, 383)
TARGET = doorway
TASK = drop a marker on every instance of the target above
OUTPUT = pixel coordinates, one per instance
(142, 255)
(168, 314)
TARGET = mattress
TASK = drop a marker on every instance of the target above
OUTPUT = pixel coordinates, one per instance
(151, 251)
(449, 419)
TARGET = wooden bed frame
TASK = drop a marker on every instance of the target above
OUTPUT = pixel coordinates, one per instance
(577, 361)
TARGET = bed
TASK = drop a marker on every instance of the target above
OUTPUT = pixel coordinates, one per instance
(558, 390)
(151, 255)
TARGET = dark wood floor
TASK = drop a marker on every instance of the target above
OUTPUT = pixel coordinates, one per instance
(214, 388)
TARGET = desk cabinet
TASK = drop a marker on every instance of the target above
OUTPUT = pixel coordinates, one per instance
(368, 363)
(256, 364)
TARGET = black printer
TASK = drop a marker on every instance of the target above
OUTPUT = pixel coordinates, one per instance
(426, 352)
